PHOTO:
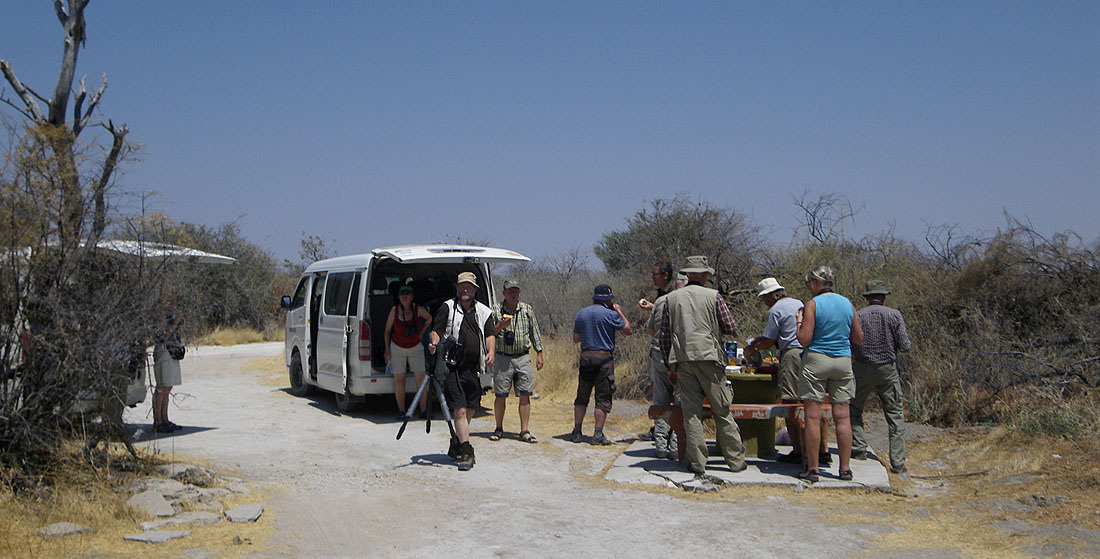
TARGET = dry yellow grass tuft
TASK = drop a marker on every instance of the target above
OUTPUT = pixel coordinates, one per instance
(236, 336)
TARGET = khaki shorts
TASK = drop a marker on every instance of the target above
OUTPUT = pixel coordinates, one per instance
(824, 373)
(401, 357)
(790, 368)
(166, 371)
(513, 371)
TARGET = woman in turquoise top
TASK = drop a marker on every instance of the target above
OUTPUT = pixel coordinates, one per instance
(827, 327)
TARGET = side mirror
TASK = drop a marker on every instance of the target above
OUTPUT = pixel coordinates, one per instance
(285, 302)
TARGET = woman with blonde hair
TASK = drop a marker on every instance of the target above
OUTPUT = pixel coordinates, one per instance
(827, 327)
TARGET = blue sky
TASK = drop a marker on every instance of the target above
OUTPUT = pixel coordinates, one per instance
(541, 126)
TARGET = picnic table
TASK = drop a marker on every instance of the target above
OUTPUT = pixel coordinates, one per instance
(755, 407)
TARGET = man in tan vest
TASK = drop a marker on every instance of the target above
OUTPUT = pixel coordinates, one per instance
(690, 336)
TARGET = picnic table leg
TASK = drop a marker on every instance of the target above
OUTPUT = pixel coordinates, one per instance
(676, 423)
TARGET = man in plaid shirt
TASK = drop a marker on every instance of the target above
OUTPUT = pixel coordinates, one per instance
(517, 332)
(874, 363)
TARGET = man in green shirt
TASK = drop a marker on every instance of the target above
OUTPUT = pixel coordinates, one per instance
(517, 333)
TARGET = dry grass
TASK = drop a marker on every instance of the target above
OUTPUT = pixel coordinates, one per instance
(94, 498)
(236, 336)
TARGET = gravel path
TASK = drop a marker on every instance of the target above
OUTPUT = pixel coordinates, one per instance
(346, 488)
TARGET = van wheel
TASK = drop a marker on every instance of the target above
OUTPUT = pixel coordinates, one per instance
(298, 384)
(346, 402)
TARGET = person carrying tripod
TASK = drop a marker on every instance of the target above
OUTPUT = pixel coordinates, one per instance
(472, 327)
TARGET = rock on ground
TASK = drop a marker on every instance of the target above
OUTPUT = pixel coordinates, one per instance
(62, 529)
(157, 537)
(245, 513)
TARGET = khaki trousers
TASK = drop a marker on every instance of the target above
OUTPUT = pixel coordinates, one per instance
(707, 378)
(884, 381)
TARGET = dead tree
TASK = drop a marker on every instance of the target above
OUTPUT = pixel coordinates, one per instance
(76, 313)
(61, 135)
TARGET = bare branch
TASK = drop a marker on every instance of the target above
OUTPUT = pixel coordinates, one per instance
(80, 122)
(62, 15)
(32, 110)
(99, 219)
(74, 37)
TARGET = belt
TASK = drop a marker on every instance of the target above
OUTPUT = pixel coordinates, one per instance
(514, 354)
(596, 351)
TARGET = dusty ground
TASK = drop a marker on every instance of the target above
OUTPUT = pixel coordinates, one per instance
(342, 486)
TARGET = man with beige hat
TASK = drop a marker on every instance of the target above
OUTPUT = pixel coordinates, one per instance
(690, 336)
(874, 363)
(469, 324)
(781, 331)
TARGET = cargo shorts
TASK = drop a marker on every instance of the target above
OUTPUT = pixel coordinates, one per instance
(790, 368)
(513, 371)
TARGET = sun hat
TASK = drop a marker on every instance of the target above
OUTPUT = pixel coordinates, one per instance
(509, 284)
(767, 285)
(681, 277)
(602, 293)
(467, 277)
(697, 264)
(875, 287)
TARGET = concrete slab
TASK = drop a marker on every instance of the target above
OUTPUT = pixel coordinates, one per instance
(639, 464)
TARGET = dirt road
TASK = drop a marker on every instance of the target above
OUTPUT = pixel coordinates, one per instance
(342, 486)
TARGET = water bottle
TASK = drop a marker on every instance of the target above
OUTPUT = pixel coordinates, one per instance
(389, 370)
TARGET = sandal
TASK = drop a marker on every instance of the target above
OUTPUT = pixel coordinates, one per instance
(845, 475)
(497, 434)
(825, 458)
(809, 475)
(527, 437)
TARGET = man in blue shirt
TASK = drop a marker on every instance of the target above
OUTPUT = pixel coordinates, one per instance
(595, 329)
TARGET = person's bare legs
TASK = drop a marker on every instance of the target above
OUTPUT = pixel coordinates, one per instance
(160, 405)
(578, 414)
(462, 423)
(811, 434)
(499, 406)
(601, 418)
(843, 420)
(399, 390)
(524, 413)
(794, 427)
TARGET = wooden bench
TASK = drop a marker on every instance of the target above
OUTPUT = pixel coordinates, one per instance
(738, 411)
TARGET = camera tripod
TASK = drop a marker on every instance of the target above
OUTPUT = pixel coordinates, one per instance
(431, 384)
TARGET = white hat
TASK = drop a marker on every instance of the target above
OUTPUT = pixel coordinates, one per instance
(767, 285)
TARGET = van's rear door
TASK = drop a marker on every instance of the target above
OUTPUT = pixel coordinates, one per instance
(451, 253)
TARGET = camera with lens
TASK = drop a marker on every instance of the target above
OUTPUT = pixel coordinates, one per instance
(453, 356)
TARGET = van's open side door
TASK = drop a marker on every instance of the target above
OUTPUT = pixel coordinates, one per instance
(351, 316)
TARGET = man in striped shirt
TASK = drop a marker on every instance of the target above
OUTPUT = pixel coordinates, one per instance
(517, 332)
(874, 363)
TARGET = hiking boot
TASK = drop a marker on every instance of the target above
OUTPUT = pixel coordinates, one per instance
(646, 436)
(465, 457)
(576, 436)
(600, 439)
(452, 450)
(859, 455)
(662, 454)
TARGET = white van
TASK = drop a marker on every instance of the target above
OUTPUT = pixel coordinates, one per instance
(334, 320)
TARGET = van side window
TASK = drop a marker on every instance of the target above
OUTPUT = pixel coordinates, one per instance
(337, 292)
(299, 298)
